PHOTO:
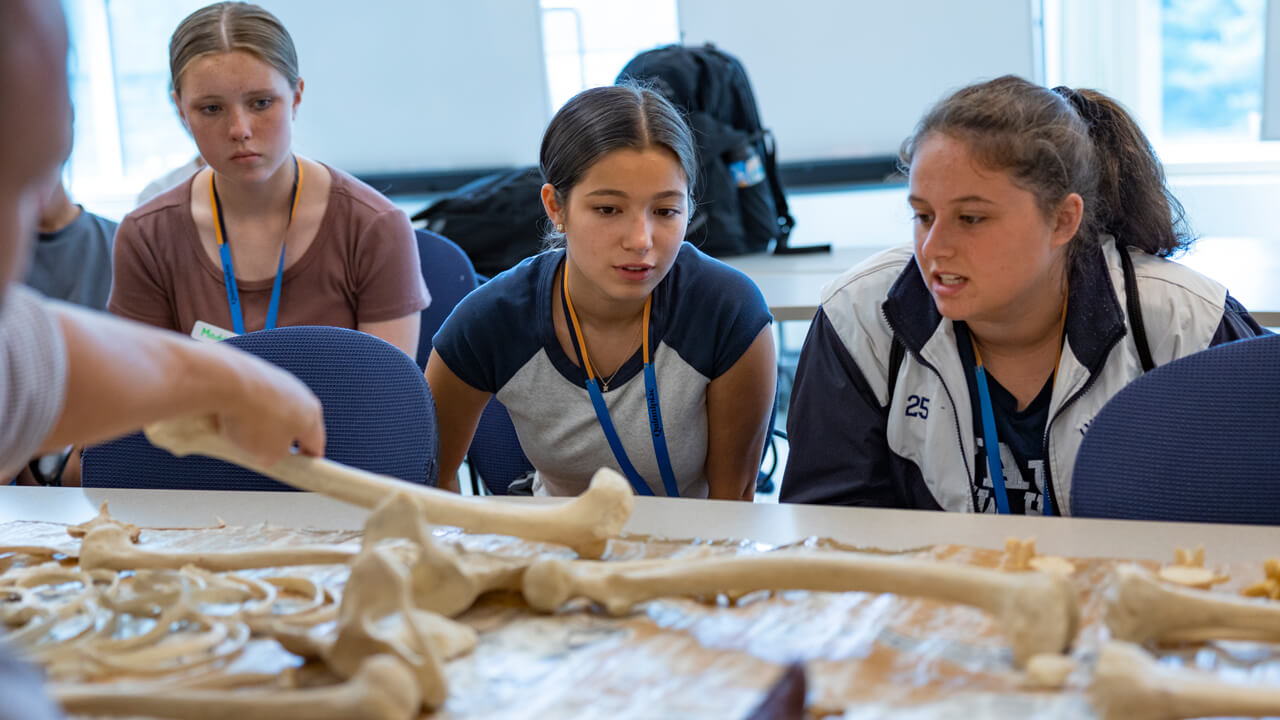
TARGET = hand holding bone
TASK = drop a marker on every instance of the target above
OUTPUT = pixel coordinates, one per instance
(585, 523)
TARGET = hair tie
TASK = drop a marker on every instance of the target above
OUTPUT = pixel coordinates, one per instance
(1084, 107)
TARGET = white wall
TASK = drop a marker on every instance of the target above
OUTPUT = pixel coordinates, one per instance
(849, 78)
(427, 84)
(441, 84)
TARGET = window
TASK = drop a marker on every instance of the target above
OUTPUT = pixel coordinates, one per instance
(1189, 70)
(587, 42)
(126, 131)
(1211, 60)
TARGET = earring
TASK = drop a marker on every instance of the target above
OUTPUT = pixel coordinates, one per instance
(560, 228)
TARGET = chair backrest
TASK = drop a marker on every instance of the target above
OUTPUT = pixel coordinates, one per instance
(449, 277)
(1195, 440)
(378, 416)
(495, 454)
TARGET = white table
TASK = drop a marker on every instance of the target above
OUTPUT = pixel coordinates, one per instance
(791, 283)
(683, 518)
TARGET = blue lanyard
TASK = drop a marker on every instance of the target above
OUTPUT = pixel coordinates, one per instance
(228, 269)
(651, 400)
(991, 443)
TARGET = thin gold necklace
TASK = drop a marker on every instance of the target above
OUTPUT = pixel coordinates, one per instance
(582, 336)
(605, 382)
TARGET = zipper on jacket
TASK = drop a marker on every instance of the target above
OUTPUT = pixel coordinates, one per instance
(955, 411)
(1048, 466)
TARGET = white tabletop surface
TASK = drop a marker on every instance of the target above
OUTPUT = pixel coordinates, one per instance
(683, 518)
(792, 284)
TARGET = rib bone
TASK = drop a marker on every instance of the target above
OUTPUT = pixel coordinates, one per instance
(1128, 683)
(1140, 609)
(585, 523)
(1037, 610)
(383, 689)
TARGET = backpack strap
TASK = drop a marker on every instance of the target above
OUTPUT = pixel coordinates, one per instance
(897, 352)
(1135, 308)
(785, 221)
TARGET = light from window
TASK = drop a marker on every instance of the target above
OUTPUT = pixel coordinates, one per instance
(152, 139)
(127, 132)
(1211, 56)
(586, 43)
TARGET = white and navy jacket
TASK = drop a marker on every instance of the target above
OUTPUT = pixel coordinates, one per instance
(852, 445)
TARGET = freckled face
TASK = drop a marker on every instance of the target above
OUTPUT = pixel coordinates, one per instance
(240, 112)
(625, 221)
(985, 249)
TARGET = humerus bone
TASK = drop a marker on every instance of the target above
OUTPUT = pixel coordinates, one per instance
(108, 546)
(1128, 683)
(383, 689)
(585, 523)
(1038, 611)
(1140, 609)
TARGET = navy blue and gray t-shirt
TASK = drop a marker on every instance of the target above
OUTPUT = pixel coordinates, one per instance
(501, 339)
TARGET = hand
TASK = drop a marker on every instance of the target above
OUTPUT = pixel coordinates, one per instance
(270, 410)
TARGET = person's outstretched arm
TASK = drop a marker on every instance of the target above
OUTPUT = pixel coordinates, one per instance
(739, 405)
(458, 410)
(122, 375)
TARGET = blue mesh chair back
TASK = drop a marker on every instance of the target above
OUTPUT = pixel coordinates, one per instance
(449, 276)
(1195, 440)
(495, 454)
(378, 416)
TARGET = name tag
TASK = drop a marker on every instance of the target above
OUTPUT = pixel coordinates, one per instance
(204, 332)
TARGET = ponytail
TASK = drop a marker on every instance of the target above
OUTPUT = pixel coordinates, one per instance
(1133, 202)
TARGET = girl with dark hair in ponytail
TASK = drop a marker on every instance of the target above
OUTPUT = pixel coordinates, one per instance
(1037, 288)
(625, 346)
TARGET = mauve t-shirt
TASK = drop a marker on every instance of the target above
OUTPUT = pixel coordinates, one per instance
(362, 266)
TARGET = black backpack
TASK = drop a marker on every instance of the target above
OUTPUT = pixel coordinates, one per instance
(497, 220)
(741, 206)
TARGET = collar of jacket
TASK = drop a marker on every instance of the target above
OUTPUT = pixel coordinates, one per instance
(1095, 318)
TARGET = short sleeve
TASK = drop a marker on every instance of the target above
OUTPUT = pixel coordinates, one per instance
(389, 282)
(137, 291)
(716, 312)
(494, 330)
(33, 375)
(744, 314)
